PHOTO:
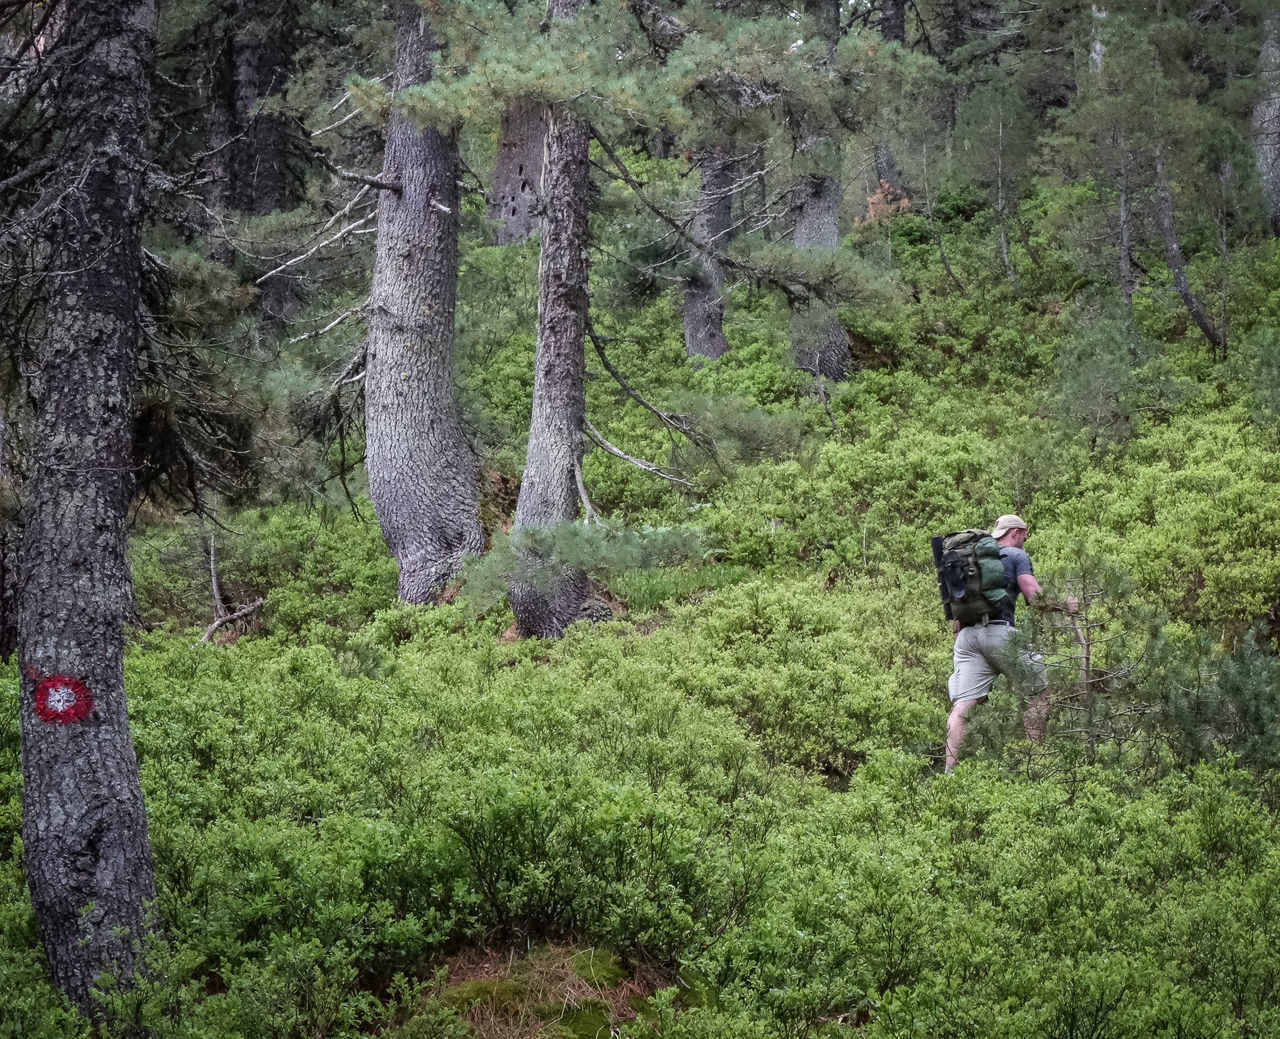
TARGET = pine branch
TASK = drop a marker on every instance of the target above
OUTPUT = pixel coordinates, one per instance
(349, 229)
(639, 463)
(685, 425)
(331, 325)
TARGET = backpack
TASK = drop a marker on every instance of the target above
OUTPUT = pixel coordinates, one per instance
(971, 576)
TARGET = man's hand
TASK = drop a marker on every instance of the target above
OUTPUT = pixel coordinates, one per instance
(1071, 604)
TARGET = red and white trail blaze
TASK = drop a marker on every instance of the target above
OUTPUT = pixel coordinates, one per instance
(60, 700)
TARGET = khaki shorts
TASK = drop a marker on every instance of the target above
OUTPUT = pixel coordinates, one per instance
(981, 653)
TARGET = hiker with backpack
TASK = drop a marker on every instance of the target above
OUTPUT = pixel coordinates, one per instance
(980, 577)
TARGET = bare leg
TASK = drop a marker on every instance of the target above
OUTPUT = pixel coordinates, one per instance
(955, 729)
(1036, 714)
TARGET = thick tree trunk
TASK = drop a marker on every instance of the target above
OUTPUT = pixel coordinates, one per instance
(517, 172)
(422, 474)
(84, 830)
(264, 41)
(1173, 256)
(703, 293)
(553, 464)
(1266, 118)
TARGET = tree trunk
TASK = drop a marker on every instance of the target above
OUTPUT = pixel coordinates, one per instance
(893, 21)
(703, 293)
(422, 474)
(250, 161)
(549, 487)
(818, 339)
(84, 829)
(1128, 282)
(1266, 118)
(891, 190)
(517, 172)
(1173, 256)
(1000, 210)
(252, 64)
(264, 41)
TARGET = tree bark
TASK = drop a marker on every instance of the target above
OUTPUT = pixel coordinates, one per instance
(1173, 256)
(1128, 282)
(517, 172)
(549, 488)
(422, 474)
(893, 21)
(84, 828)
(818, 339)
(1266, 118)
(250, 162)
(253, 63)
(891, 190)
(703, 293)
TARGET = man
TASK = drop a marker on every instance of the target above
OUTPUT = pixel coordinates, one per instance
(981, 653)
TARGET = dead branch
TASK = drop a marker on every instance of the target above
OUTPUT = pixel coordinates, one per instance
(349, 229)
(331, 325)
(244, 611)
(639, 463)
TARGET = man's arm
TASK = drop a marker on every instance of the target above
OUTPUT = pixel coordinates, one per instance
(1030, 587)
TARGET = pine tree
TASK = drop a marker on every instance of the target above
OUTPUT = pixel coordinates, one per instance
(553, 463)
(818, 339)
(1266, 117)
(422, 473)
(84, 828)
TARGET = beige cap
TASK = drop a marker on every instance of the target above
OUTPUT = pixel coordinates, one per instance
(1007, 523)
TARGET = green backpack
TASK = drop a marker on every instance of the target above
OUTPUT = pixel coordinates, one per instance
(971, 576)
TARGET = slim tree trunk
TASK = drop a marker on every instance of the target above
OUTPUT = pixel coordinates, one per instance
(1266, 118)
(1128, 283)
(84, 829)
(1000, 208)
(422, 474)
(549, 487)
(891, 190)
(704, 290)
(517, 172)
(1173, 256)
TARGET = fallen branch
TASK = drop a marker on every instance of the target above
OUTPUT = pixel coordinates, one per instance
(244, 611)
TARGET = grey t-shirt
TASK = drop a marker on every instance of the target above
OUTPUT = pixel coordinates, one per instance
(1016, 562)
